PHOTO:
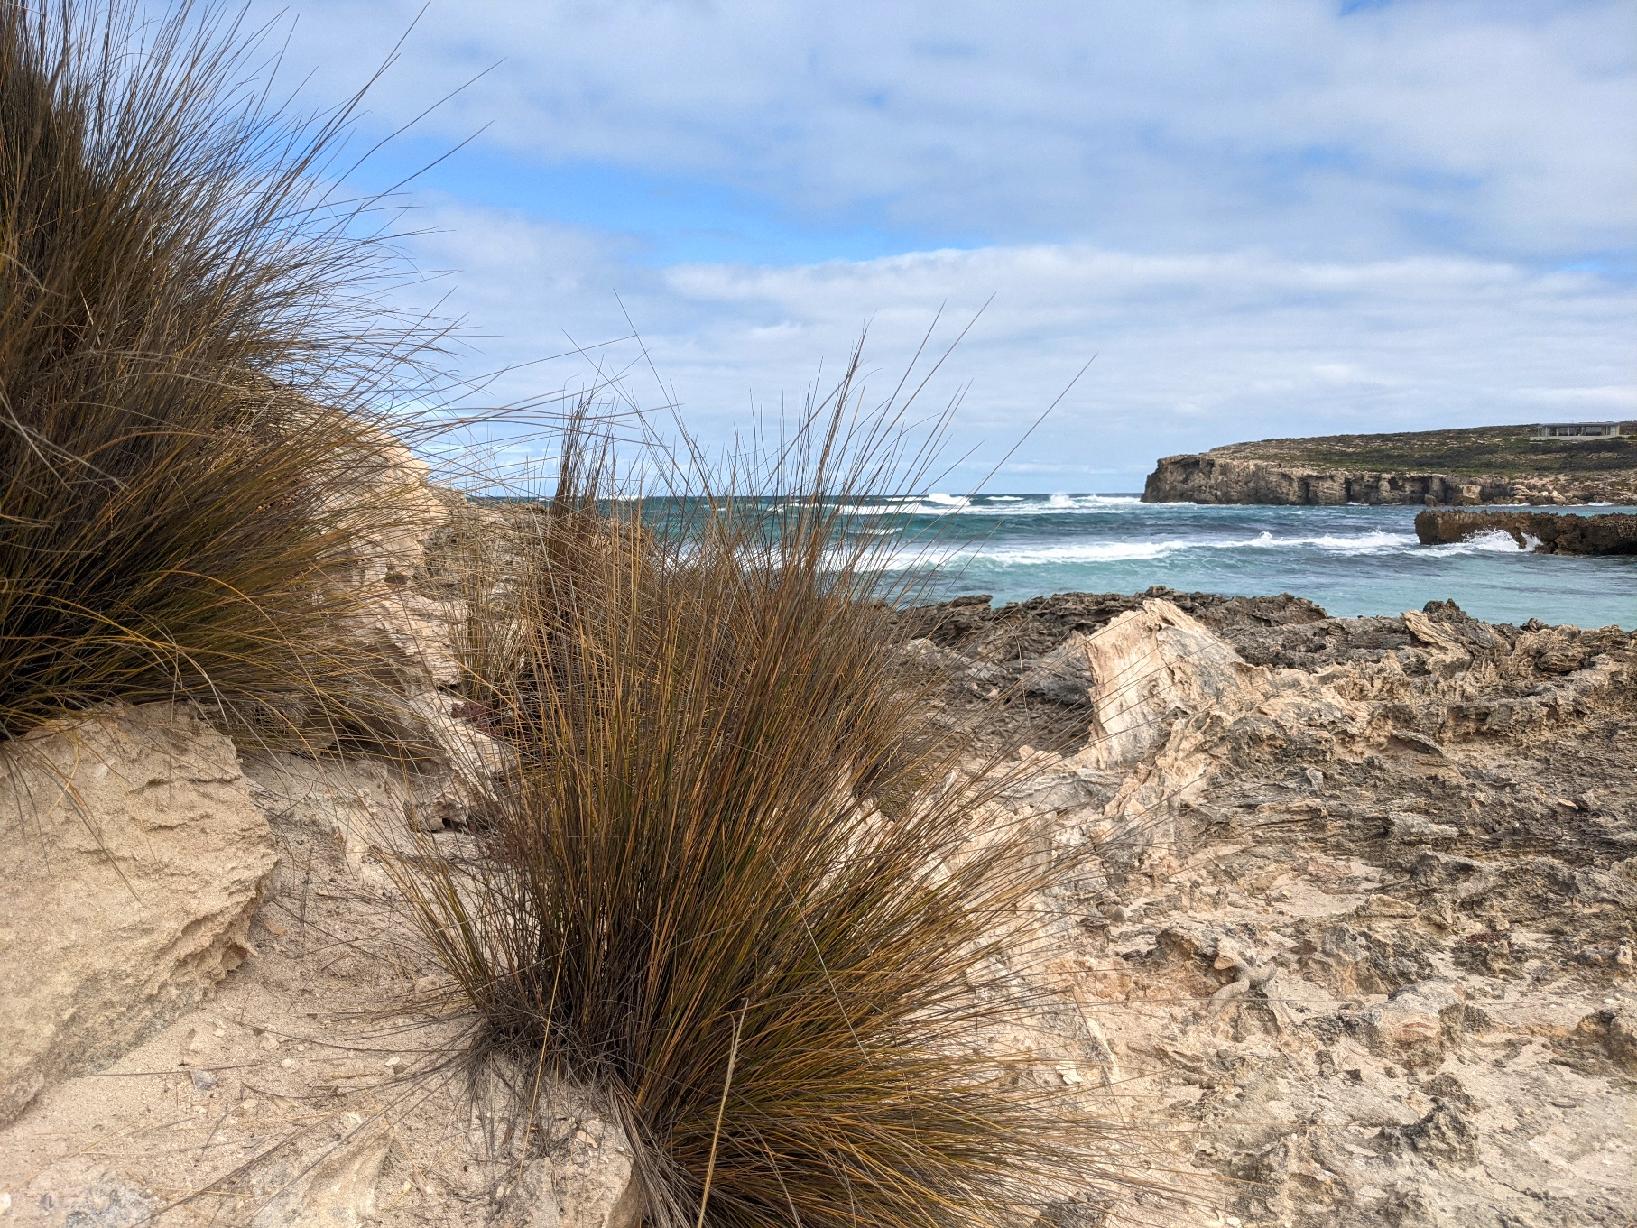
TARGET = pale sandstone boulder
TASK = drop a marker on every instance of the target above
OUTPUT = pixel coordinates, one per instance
(452, 767)
(1173, 705)
(1150, 666)
(1160, 686)
(135, 858)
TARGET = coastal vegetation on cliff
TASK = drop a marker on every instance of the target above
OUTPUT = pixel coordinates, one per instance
(1502, 464)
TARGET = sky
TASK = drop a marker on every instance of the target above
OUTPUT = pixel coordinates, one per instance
(1254, 218)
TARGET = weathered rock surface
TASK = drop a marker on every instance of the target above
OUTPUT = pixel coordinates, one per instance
(1365, 949)
(339, 1189)
(1149, 667)
(1358, 940)
(310, 1089)
(135, 858)
(585, 1175)
(1544, 532)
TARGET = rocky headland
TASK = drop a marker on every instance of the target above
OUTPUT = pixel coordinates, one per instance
(1544, 532)
(1351, 941)
(1455, 467)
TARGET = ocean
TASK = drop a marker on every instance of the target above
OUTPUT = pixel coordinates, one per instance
(1350, 560)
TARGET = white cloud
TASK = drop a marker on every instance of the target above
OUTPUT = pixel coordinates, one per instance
(1190, 350)
(1263, 217)
(1192, 124)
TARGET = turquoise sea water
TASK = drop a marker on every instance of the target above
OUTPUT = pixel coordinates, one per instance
(1351, 560)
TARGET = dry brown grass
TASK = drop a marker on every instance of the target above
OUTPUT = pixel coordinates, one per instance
(730, 881)
(688, 897)
(192, 356)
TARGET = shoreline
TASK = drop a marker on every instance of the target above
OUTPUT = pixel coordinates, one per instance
(1354, 929)
(1349, 560)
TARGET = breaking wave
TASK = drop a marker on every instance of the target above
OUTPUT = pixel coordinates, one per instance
(1497, 541)
(1376, 542)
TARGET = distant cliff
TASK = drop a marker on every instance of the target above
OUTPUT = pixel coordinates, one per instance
(1480, 465)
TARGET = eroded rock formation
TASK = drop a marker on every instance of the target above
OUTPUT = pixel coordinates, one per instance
(1213, 477)
(1205, 478)
(1354, 938)
(1365, 942)
(209, 1015)
(135, 858)
(1546, 532)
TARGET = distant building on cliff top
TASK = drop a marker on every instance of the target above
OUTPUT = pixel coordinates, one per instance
(1580, 430)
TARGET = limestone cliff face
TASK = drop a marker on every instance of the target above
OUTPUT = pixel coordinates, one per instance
(1207, 478)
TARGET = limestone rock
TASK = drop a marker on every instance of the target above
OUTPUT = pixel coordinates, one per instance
(1211, 478)
(1543, 532)
(466, 764)
(135, 858)
(1150, 666)
(1063, 675)
(397, 551)
(1279, 472)
(587, 1179)
(337, 1192)
(1363, 914)
(78, 1193)
(412, 639)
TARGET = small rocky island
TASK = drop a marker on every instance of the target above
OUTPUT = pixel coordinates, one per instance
(1543, 532)
(1500, 464)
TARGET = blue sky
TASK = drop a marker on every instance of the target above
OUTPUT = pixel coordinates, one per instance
(1263, 217)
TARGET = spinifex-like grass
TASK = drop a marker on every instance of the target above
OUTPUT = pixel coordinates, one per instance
(689, 898)
(189, 351)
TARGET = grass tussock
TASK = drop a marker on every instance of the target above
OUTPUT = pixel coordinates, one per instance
(190, 347)
(694, 894)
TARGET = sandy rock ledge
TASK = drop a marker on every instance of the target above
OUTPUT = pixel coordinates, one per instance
(136, 858)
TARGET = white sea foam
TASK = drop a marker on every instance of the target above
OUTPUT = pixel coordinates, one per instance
(1496, 541)
(1086, 503)
(940, 504)
(1376, 542)
(1080, 552)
